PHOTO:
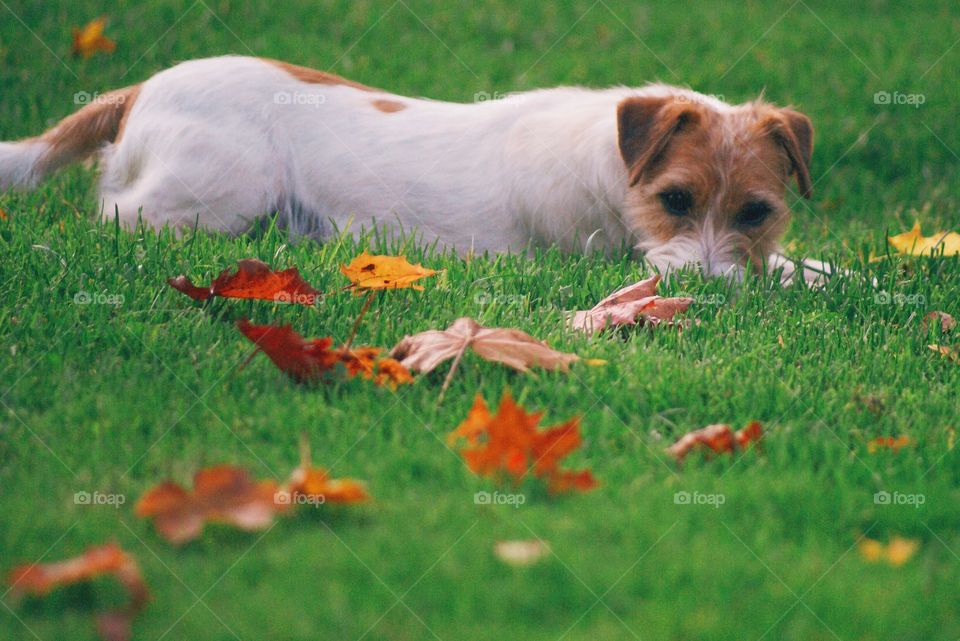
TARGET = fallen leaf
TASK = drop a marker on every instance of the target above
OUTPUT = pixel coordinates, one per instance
(313, 485)
(509, 443)
(106, 560)
(889, 443)
(308, 360)
(897, 552)
(950, 353)
(632, 305)
(521, 553)
(913, 243)
(384, 272)
(717, 438)
(90, 39)
(222, 494)
(253, 279)
(423, 352)
(946, 322)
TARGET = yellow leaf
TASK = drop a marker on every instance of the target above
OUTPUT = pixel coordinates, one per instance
(596, 362)
(913, 243)
(384, 272)
(897, 552)
(90, 39)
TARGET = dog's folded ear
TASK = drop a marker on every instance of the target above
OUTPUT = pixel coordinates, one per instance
(794, 132)
(645, 126)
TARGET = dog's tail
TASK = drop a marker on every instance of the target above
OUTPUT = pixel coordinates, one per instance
(25, 163)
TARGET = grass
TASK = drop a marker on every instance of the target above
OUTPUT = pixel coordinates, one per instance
(117, 395)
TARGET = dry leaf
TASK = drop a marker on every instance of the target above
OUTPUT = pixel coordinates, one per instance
(423, 352)
(222, 494)
(897, 552)
(632, 305)
(889, 443)
(913, 243)
(950, 353)
(39, 579)
(717, 438)
(509, 444)
(253, 279)
(946, 322)
(384, 272)
(3, 214)
(308, 360)
(90, 39)
(521, 553)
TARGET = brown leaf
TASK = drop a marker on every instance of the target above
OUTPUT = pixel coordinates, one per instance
(946, 322)
(717, 438)
(39, 579)
(223, 494)
(423, 352)
(253, 279)
(632, 305)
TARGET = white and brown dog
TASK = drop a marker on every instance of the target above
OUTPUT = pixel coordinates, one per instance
(683, 177)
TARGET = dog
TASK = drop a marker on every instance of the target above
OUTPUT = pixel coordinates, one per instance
(684, 178)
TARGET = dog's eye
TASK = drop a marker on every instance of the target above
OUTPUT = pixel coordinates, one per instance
(677, 202)
(754, 213)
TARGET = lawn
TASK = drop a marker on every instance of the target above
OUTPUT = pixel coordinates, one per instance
(111, 382)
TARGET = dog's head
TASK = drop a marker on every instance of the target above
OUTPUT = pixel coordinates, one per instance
(707, 185)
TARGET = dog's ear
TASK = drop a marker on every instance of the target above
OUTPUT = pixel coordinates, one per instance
(645, 126)
(794, 132)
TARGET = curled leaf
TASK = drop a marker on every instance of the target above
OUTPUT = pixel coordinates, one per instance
(384, 272)
(253, 279)
(946, 322)
(631, 305)
(716, 438)
(39, 579)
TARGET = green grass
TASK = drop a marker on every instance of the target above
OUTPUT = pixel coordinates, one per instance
(115, 397)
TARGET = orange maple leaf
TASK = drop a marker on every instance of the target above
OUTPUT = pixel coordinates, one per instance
(41, 578)
(223, 494)
(313, 485)
(510, 443)
(253, 279)
(384, 272)
(90, 39)
(717, 438)
(307, 360)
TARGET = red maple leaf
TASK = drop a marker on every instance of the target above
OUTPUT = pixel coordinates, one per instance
(253, 279)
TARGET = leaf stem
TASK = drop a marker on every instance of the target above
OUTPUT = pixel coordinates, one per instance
(356, 323)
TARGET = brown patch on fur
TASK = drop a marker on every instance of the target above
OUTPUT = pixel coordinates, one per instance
(725, 160)
(315, 76)
(84, 132)
(388, 106)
